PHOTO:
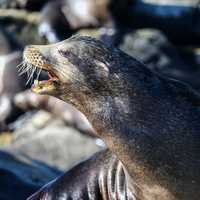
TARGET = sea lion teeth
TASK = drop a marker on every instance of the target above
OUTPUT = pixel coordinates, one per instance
(36, 82)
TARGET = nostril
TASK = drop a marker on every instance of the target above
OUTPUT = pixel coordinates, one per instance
(32, 55)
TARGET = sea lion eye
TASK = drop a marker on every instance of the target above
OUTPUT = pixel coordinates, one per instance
(67, 54)
(70, 56)
(64, 53)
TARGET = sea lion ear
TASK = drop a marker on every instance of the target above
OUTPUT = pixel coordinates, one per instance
(63, 53)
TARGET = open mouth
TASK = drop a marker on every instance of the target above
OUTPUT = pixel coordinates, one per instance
(42, 79)
(47, 84)
(50, 76)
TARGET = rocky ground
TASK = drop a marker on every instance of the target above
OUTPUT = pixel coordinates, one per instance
(38, 151)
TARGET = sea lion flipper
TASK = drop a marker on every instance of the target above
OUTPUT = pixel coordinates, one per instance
(100, 177)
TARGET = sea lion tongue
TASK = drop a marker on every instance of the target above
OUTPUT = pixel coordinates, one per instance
(151, 124)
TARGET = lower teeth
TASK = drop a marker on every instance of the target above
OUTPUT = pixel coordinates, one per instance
(36, 82)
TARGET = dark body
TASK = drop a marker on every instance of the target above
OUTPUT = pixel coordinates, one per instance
(150, 124)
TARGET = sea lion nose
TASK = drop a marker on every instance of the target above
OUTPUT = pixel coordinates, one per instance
(30, 51)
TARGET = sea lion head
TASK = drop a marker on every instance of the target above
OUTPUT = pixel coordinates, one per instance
(77, 67)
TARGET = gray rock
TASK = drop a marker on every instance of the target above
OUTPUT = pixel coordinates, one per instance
(28, 100)
(46, 139)
(42, 148)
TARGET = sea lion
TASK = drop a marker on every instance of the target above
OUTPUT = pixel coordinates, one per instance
(60, 19)
(172, 17)
(160, 55)
(53, 25)
(10, 82)
(22, 4)
(149, 123)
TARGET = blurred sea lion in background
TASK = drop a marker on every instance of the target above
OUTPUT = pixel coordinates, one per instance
(154, 49)
(171, 17)
(10, 82)
(62, 18)
(53, 24)
(23, 4)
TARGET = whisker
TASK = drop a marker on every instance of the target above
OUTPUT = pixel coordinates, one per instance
(30, 76)
(21, 63)
(33, 74)
(23, 67)
(26, 69)
(39, 72)
(28, 72)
